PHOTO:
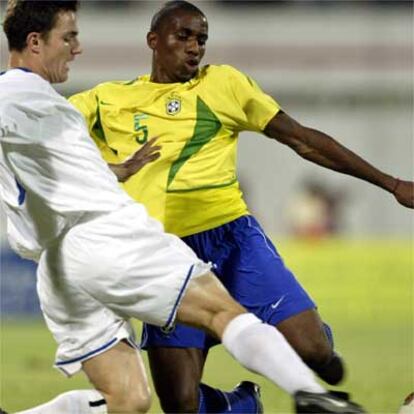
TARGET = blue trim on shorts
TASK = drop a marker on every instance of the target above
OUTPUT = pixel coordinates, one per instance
(89, 354)
(170, 321)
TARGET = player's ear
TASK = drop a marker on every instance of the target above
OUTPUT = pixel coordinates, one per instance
(152, 38)
(33, 42)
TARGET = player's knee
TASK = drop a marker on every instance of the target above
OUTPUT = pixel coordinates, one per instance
(208, 304)
(135, 402)
(141, 403)
(184, 400)
(130, 405)
(308, 340)
(316, 352)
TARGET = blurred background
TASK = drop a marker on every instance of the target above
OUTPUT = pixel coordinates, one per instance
(344, 67)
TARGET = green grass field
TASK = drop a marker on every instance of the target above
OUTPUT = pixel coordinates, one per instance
(364, 290)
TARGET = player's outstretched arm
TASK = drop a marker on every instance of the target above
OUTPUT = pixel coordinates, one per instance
(149, 152)
(322, 149)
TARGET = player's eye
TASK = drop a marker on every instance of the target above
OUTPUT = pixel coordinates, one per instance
(182, 36)
(70, 37)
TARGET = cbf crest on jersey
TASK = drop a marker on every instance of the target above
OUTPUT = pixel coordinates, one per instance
(173, 105)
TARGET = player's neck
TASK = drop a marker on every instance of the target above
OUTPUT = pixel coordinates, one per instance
(160, 75)
(19, 60)
(24, 61)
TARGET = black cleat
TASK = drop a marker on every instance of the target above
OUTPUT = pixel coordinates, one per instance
(252, 389)
(330, 402)
(3, 412)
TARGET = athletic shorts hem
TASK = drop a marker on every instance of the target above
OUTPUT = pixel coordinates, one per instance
(275, 319)
(72, 366)
(171, 319)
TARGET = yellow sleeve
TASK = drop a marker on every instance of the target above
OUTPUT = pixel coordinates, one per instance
(258, 107)
(88, 104)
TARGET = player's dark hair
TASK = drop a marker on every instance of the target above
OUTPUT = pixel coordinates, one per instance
(27, 16)
(169, 9)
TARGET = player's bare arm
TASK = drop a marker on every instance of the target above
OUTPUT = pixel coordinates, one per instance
(322, 149)
(149, 152)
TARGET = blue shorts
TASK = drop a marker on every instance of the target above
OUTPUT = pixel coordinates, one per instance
(250, 267)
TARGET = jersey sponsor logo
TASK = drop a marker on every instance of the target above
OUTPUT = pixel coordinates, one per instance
(173, 106)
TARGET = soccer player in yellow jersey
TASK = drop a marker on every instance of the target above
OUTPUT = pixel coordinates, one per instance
(196, 113)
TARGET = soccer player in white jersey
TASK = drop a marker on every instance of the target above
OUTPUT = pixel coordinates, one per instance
(102, 259)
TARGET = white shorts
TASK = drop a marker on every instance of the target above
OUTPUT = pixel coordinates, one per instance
(106, 270)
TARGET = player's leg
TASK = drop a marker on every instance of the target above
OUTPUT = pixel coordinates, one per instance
(89, 336)
(257, 346)
(119, 375)
(176, 374)
(261, 282)
(120, 382)
(310, 338)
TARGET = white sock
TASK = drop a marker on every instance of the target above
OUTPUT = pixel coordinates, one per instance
(261, 348)
(72, 402)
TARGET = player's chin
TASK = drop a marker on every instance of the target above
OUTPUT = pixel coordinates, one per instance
(59, 76)
(188, 73)
(61, 79)
(63, 76)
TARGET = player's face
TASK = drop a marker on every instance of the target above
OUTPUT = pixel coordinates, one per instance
(59, 48)
(178, 47)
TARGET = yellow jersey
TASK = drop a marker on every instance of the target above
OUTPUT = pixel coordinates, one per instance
(193, 186)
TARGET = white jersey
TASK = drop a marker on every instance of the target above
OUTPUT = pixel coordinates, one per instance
(51, 173)
(102, 259)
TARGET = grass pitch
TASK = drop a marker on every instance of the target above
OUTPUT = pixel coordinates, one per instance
(363, 289)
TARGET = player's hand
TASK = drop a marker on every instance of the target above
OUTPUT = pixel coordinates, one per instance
(404, 193)
(149, 152)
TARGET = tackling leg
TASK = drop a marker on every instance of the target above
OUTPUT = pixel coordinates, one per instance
(306, 334)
